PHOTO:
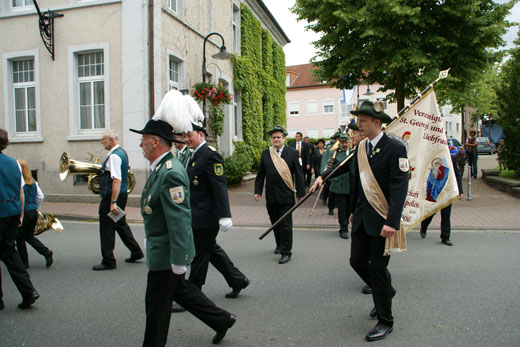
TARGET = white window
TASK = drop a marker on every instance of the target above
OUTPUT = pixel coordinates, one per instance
(328, 106)
(236, 28)
(21, 3)
(458, 127)
(328, 132)
(172, 5)
(292, 132)
(89, 91)
(287, 80)
(312, 133)
(312, 107)
(21, 93)
(173, 74)
(343, 108)
(293, 108)
(237, 114)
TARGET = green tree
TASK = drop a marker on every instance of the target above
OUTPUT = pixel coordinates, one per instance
(508, 93)
(403, 44)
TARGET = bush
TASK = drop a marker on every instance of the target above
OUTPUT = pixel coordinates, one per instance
(238, 163)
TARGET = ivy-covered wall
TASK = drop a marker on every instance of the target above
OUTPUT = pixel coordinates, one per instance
(260, 74)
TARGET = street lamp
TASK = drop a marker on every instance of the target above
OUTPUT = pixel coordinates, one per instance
(223, 54)
(368, 92)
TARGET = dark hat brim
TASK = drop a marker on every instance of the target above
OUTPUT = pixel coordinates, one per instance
(159, 128)
(367, 109)
(277, 129)
(197, 127)
(353, 126)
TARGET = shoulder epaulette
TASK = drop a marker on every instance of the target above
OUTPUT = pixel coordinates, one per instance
(212, 148)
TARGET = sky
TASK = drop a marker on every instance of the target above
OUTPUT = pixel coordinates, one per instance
(301, 50)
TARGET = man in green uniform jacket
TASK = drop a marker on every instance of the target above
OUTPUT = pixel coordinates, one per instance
(340, 186)
(165, 207)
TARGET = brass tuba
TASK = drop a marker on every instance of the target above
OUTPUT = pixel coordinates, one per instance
(70, 166)
(47, 222)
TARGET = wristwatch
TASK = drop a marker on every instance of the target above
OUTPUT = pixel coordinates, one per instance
(113, 201)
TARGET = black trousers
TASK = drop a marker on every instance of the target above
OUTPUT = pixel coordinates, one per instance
(162, 288)
(283, 233)
(342, 203)
(208, 251)
(11, 258)
(366, 258)
(445, 223)
(308, 176)
(107, 230)
(26, 234)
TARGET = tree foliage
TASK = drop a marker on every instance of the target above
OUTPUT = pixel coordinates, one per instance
(508, 93)
(403, 44)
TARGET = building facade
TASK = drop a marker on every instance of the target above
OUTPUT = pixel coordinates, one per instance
(113, 61)
(317, 110)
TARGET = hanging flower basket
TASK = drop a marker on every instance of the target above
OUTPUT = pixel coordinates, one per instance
(216, 96)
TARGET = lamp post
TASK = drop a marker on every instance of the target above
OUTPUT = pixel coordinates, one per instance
(223, 54)
(369, 92)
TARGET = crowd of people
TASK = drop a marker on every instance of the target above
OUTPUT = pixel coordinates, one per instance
(185, 204)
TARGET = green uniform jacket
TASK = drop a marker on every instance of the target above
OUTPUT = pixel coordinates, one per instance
(325, 158)
(165, 207)
(185, 156)
(340, 184)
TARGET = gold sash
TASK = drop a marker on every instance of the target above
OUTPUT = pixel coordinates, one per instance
(376, 198)
(282, 168)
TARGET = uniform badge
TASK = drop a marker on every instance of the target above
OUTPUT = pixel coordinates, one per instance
(168, 164)
(403, 164)
(177, 194)
(157, 167)
(193, 164)
(195, 182)
(147, 209)
(219, 169)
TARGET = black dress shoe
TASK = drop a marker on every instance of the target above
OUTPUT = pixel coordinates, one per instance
(101, 267)
(176, 308)
(48, 259)
(220, 334)
(26, 265)
(284, 259)
(277, 250)
(134, 258)
(373, 313)
(366, 290)
(2, 304)
(423, 233)
(234, 293)
(29, 300)
(379, 332)
(331, 212)
(447, 242)
(343, 234)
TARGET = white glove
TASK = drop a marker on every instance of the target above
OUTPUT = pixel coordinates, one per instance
(179, 269)
(225, 224)
(144, 243)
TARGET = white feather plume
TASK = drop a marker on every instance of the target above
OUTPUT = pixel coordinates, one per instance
(175, 111)
(197, 117)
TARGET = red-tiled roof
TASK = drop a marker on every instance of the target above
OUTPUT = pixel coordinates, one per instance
(301, 76)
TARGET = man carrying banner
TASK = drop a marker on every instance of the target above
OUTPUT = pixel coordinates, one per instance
(283, 175)
(378, 194)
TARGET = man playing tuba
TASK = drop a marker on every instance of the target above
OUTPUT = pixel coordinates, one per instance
(113, 191)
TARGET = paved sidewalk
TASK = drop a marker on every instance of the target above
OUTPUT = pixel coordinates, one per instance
(489, 209)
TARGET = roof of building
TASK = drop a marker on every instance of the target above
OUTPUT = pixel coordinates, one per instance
(301, 76)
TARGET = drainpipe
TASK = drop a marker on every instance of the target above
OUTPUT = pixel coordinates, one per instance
(151, 76)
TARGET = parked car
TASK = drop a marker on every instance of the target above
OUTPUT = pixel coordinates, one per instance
(484, 145)
(454, 146)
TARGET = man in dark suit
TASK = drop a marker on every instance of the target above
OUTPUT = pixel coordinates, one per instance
(210, 212)
(388, 162)
(281, 188)
(303, 152)
(165, 208)
(311, 149)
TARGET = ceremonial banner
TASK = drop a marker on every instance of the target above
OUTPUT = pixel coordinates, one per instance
(432, 184)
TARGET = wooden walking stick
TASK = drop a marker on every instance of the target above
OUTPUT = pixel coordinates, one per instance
(316, 201)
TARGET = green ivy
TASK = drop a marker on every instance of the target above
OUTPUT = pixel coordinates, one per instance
(260, 74)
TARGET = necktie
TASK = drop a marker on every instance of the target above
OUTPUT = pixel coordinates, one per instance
(299, 150)
(370, 148)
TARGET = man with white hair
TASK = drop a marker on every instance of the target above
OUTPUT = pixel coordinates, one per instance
(113, 185)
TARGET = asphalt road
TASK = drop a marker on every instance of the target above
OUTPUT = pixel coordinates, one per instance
(466, 295)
